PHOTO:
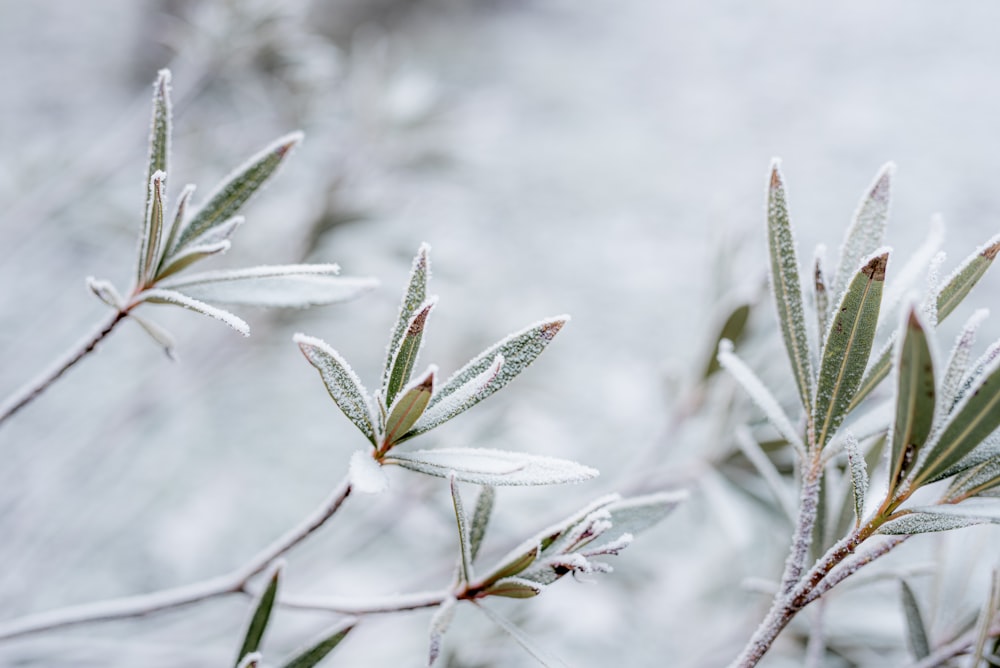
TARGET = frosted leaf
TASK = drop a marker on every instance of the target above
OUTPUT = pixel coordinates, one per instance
(765, 467)
(636, 514)
(162, 337)
(961, 281)
(341, 382)
(975, 417)
(462, 521)
(986, 451)
(983, 509)
(191, 254)
(929, 306)
(408, 407)
(875, 373)
(317, 650)
(917, 523)
(518, 350)
(152, 231)
(481, 519)
(292, 285)
(906, 278)
(439, 626)
(759, 393)
(262, 613)
(848, 345)
(978, 479)
(958, 364)
(859, 476)
(916, 631)
(407, 351)
(732, 330)
(414, 295)
(106, 292)
(976, 371)
(493, 467)
(786, 287)
(915, 398)
(180, 212)
(229, 196)
(366, 474)
(867, 230)
(162, 296)
(514, 588)
(159, 130)
(251, 660)
(514, 562)
(821, 291)
(458, 401)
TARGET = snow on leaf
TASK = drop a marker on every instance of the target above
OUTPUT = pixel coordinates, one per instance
(984, 452)
(518, 350)
(915, 397)
(229, 196)
(493, 467)
(904, 280)
(439, 626)
(752, 451)
(956, 286)
(958, 364)
(178, 221)
(514, 562)
(462, 521)
(458, 401)
(481, 519)
(366, 474)
(514, 588)
(341, 382)
(759, 393)
(977, 479)
(162, 337)
(159, 132)
(261, 614)
(917, 522)
(859, 476)
(848, 346)
(152, 231)
(409, 406)
(408, 350)
(294, 285)
(867, 230)
(636, 514)
(162, 296)
(732, 330)
(821, 293)
(191, 254)
(414, 295)
(916, 631)
(317, 650)
(786, 287)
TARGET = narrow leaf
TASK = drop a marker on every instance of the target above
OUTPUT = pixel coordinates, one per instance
(859, 476)
(985, 622)
(760, 394)
(958, 364)
(514, 562)
(916, 523)
(765, 467)
(972, 421)
(875, 374)
(867, 230)
(457, 402)
(229, 196)
(905, 279)
(786, 286)
(848, 345)
(439, 626)
(295, 285)
(517, 350)
(916, 631)
(975, 373)
(161, 336)
(462, 521)
(987, 450)
(341, 382)
(159, 132)
(193, 253)
(149, 246)
(366, 474)
(202, 246)
(414, 295)
(965, 277)
(514, 588)
(636, 514)
(493, 467)
(161, 296)
(261, 615)
(481, 519)
(732, 330)
(976, 480)
(821, 295)
(915, 397)
(408, 407)
(178, 222)
(408, 350)
(251, 660)
(317, 650)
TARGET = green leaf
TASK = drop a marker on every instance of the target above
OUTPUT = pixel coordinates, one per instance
(514, 562)
(875, 373)
(408, 407)
(965, 277)
(820, 294)
(413, 297)
(913, 523)
(848, 345)
(859, 476)
(463, 531)
(152, 231)
(159, 133)
(972, 421)
(732, 330)
(958, 364)
(916, 631)
(175, 227)
(492, 467)
(261, 615)
(786, 286)
(481, 518)
(518, 350)
(162, 296)
(317, 651)
(213, 242)
(867, 230)
(341, 382)
(976, 480)
(230, 196)
(407, 351)
(514, 588)
(458, 401)
(915, 399)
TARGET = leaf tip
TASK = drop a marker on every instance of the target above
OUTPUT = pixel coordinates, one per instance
(875, 268)
(991, 250)
(288, 142)
(551, 327)
(776, 179)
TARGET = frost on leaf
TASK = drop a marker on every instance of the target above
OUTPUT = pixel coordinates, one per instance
(409, 406)
(408, 350)
(956, 286)
(366, 474)
(958, 363)
(162, 296)
(915, 398)
(859, 476)
(867, 230)
(413, 297)
(341, 382)
(317, 650)
(458, 401)
(493, 467)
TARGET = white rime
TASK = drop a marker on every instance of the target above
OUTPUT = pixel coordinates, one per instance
(161, 295)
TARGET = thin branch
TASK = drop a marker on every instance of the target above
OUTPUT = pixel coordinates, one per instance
(33, 389)
(178, 597)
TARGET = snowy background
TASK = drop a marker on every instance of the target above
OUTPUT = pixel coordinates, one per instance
(605, 159)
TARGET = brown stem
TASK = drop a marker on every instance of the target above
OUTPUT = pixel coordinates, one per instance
(33, 389)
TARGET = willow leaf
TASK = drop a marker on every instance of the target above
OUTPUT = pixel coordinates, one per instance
(178, 223)
(492, 467)
(413, 297)
(341, 382)
(407, 351)
(867, 230)
(965, 277)
(162, 296)
(457, 401)
(976, 480)
(439, 626)
(848, 346)
(821, 295)
(916, 631)
(514, 588)
(261, 616)
(236, 189)
(732, 330)
(786, 286)
(958, 364)
(915, 399)
(215, 240)
(159, 131)
(972, 421)
(318, 650)
(462, 520)
(408, 407)
(859, 476)
(875, 373)
(913, 523)
(152, 231)
(481, 518)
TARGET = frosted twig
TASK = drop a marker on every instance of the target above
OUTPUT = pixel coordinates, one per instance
(34, 388)
(177, 597)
